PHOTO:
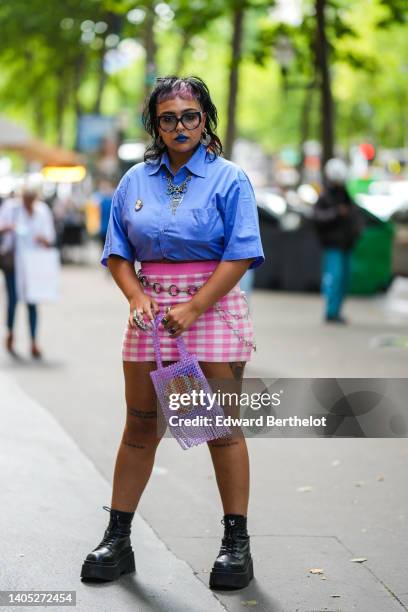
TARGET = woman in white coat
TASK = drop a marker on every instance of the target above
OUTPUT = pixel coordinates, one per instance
(26, 223)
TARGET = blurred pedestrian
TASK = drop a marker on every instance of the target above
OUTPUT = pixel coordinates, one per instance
(246, 283)
(338, 226)
(25, 223)
(105, 203)
(190, 217)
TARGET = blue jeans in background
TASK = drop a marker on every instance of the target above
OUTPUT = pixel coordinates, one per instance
(10, 278)
(335, 279)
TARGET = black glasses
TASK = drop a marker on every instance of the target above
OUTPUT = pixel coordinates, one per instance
(190, 120)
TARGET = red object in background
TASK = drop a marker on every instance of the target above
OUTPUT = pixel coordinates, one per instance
(312, 162)
(368, 150)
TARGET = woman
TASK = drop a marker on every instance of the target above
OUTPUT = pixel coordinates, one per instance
(189, 216)
(24, 224)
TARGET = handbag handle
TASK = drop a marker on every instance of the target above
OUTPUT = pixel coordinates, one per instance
(181, 346)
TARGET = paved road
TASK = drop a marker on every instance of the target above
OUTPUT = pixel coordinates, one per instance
(314, 503)
(50, 489)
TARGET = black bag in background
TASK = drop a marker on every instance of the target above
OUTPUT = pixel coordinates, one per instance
(7, 258)
(7, 261)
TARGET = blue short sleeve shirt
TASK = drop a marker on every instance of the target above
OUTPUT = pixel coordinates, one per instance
(216, 220)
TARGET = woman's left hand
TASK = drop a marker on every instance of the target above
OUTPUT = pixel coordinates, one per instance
(43, 241)
(180, 317)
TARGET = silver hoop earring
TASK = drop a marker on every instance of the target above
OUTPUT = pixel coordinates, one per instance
(205, 137)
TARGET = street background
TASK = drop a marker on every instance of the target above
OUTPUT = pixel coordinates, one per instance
(296, 84)
(314, 503)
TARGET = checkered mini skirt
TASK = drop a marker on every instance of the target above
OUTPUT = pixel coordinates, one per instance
(223, 333)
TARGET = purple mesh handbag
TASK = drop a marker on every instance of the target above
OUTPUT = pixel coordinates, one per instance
(184, 377)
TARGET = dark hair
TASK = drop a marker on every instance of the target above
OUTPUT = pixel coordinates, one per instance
(167, 87)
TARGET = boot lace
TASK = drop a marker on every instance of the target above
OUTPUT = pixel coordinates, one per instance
(230, 542)
(112, 533)
(111, 537)
(229, 546)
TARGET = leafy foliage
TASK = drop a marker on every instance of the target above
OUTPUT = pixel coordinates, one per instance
(52, 64)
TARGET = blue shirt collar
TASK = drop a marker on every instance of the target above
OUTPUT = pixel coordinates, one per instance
(196, 163)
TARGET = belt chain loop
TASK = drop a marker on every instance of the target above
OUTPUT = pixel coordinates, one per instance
(221, 311)
(223, 315)
(172, 290)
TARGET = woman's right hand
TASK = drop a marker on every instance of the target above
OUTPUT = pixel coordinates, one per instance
(10, 227)
(144, 306)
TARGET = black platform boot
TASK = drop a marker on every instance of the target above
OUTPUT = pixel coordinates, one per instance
(114, 555)
(233, 568)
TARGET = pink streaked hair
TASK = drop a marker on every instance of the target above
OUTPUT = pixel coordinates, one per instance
(167, 88)
(181, 89)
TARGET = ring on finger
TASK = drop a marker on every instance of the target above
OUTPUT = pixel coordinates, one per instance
(139, 321)
(136, 316)
(143, 325)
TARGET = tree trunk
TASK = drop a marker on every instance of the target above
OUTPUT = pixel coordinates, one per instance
(60, 103)
(79, 69)
(39, 118)
(150, 48)
(304, 131)
(326, 99)
(182, 52)
(238, 20)
(38, 99)
(115, 26)
(101, 83)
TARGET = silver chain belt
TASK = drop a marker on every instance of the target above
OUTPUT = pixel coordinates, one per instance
(223, 314)
(174, 290)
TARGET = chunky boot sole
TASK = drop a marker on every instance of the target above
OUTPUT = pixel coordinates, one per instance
(94, 570)
(221, 579)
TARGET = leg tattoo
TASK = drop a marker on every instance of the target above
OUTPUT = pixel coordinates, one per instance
(237, 368)
(220, 444)
(140, 428)
(143, 414)
(223, 442)
(134, 445)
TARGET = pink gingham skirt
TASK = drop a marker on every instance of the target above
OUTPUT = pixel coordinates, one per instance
(215, 336)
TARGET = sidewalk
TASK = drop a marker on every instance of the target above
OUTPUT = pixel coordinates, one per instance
(314, 503)
(52, 516)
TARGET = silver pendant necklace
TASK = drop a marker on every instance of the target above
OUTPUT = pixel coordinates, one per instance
(176, 192)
